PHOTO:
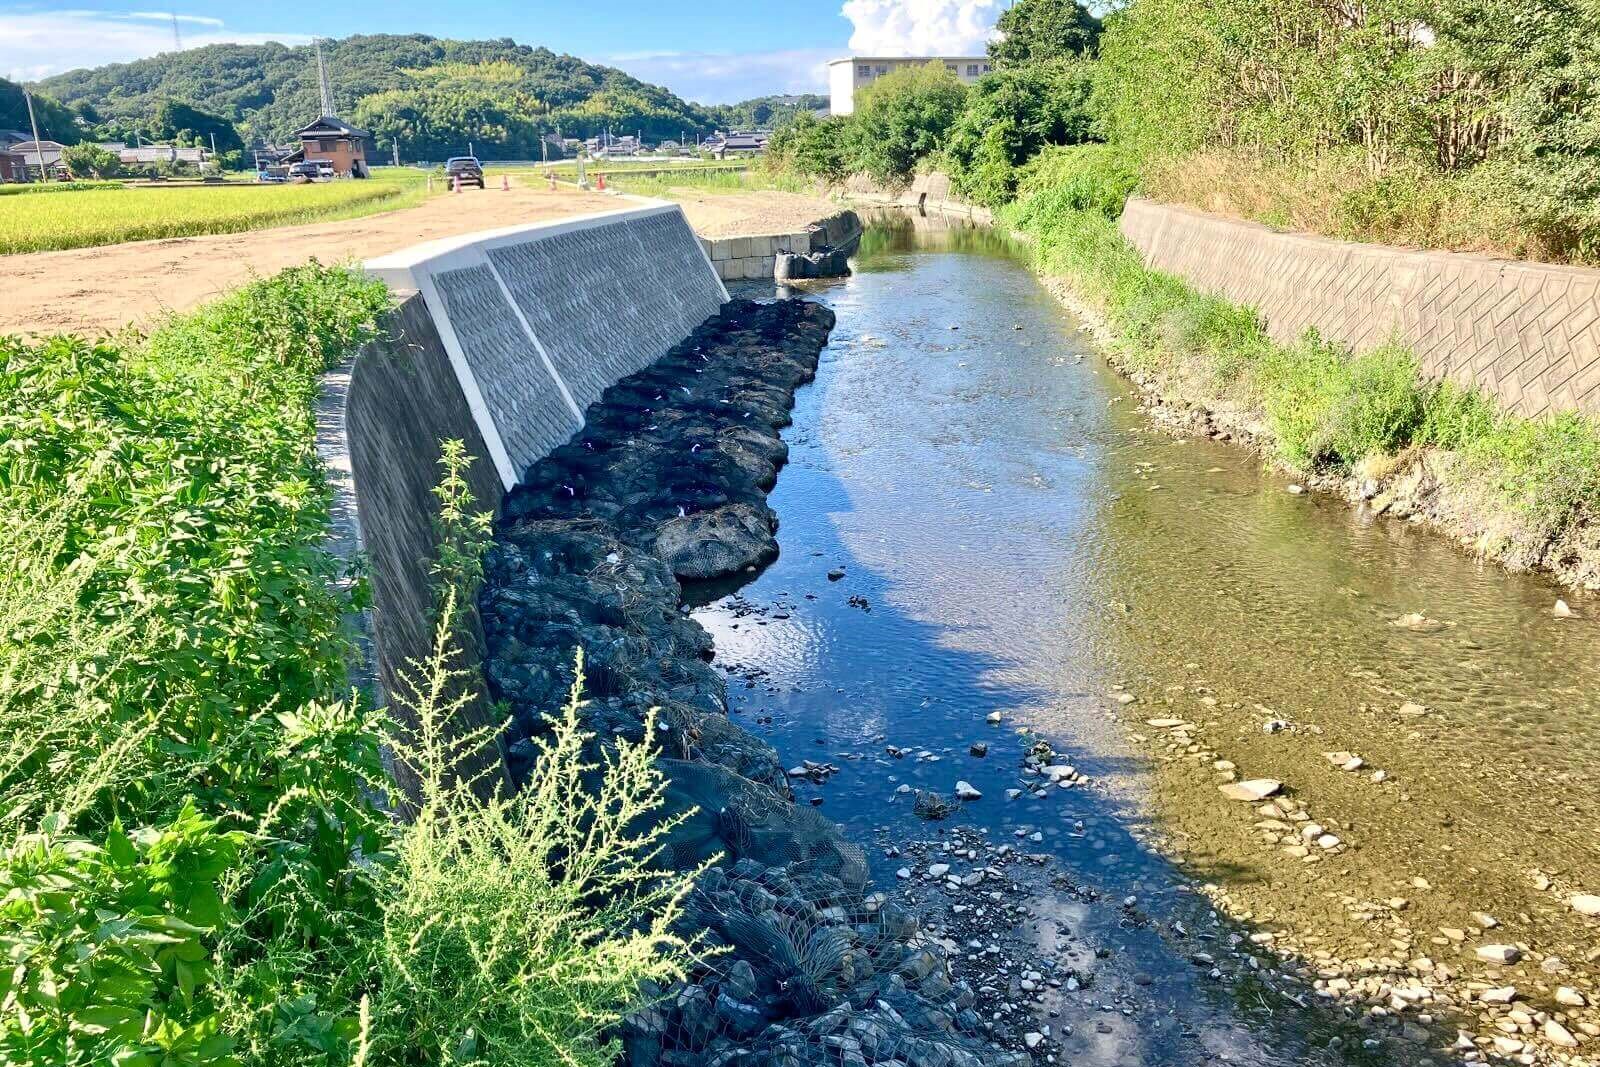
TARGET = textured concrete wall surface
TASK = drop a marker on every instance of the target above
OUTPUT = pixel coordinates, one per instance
(538, 320)
(401, 402)
(1527, 334)
(500, 340)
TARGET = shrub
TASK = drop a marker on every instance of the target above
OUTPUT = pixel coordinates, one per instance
(1009, 116)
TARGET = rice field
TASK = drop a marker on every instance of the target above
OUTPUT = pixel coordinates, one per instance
(84, 217)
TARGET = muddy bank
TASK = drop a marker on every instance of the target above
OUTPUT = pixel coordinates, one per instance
(667, 482)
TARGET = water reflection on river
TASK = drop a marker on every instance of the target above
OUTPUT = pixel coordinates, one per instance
(1024, 542)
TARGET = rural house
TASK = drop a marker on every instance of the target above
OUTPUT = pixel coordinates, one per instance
(337, 142)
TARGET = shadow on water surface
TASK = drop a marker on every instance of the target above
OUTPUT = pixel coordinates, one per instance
(939, 512)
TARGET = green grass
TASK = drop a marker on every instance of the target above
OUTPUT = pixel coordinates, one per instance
(34, 188)
(99, 216)
(725, 180)
(194, 864)
(1327, 408)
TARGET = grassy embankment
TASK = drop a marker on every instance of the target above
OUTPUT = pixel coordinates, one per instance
(193, 867)
(1524, 491)
(79, 217)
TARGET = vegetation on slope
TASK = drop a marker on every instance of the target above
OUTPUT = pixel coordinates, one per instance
(193, 865)
(432, 95)
(1532, 483)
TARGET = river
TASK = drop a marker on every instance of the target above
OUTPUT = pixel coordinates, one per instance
(1015, 536)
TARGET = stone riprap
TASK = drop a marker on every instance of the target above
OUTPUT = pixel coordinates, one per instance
(668, 480)
(537, 320)
(1527, 334)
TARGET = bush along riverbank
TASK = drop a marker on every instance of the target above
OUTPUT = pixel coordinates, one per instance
(195, 866)
(667, 481)
(1523, 492)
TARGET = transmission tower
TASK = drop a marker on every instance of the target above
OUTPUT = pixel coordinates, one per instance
(322, 81)
(177, 38)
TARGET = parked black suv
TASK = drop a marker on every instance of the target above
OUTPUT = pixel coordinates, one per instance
(467, 168)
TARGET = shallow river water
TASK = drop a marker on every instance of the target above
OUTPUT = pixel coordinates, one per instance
(1015, 536)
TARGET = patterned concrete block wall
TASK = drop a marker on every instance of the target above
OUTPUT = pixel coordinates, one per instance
(1527, 334)
(539, 320)
(504, 341)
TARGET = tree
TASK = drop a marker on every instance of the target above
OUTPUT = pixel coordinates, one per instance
(1013, 113)
(903, 118)
(1036, 31)
(91, 161)
(185, 124)
(55, 121)
(812, 146)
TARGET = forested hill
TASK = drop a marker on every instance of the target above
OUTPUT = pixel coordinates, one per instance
(434, 95)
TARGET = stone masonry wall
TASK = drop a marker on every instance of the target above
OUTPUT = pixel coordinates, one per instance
(1527, 334)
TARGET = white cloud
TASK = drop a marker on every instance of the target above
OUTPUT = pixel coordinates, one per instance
(39, 44)
(921, 27)
(727, 78)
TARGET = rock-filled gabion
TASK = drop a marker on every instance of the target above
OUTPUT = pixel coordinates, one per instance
(668, 481)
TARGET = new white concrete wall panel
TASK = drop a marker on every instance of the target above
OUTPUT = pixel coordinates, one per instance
(607, 301)
(539, 320)
(520, 392)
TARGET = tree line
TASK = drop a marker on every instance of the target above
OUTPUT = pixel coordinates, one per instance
(1455, 123)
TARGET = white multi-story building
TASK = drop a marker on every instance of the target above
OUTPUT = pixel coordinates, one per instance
(848, 76)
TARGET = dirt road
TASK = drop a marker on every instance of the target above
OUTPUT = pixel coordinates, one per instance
(97, 290)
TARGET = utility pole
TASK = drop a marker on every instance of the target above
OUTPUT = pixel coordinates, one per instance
(34, 123)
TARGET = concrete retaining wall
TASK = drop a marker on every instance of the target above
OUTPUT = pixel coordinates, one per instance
(500, 340)
(1527, 334)
(537, 320)
(735, 258)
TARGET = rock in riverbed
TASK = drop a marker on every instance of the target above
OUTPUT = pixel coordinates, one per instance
(1256, 789)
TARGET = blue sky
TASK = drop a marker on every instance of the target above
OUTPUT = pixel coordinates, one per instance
(713, 51)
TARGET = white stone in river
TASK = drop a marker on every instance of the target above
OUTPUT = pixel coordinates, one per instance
(1586, 904)
(1569, 997)
(1559, 1035)
(993, 717)
(938, 870)
(965, 791)
(1485, 920)
(1501, 954)
(1126, 698)
(1032, 1040)
(1563, 610)
(1327, 841)
(903, 873)
(1503, 995)
(1250, 791)
(1165, 724)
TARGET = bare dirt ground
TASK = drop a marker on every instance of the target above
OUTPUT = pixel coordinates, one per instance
(738, 214)
(94, 291)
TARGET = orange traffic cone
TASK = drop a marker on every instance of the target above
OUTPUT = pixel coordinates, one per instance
(505, 183)
(601, 178)
(458, 183)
